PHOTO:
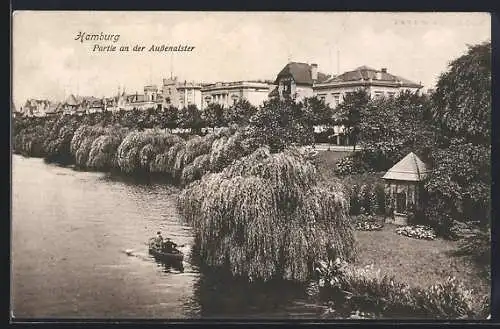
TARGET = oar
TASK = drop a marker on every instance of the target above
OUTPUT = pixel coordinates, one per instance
(178, 246)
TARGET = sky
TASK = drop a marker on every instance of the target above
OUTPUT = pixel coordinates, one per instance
(48, 63)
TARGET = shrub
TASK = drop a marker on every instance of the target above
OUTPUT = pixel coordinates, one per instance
(367, 199)
(366, 289)
(477, 244)
(350, 165)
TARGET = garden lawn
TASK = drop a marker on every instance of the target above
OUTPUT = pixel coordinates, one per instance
(326, 161)
(417, 262)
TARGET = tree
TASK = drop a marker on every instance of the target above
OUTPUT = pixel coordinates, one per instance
(390, 128)
(279, 123)
(190, 117)
(350, 112)
(462, 100)
(317, 112)
(170, 117)
(240, 112)
(213, 115)
(460, 183)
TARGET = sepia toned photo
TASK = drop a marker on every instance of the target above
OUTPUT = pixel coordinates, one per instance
(250, 165)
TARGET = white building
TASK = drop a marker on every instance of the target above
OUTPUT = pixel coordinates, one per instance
(228, 93)
(189, 93)
(301, 80)
(377, 83)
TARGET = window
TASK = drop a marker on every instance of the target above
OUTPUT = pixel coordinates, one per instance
(391, 94)
(401, 203)
(287, 87)
(379, 94)
(322, 97)
(336, 99)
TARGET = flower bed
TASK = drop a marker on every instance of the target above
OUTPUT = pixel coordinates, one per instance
(417, 232)
(368, 223)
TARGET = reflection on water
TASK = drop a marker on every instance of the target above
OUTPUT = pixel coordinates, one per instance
(79, 250)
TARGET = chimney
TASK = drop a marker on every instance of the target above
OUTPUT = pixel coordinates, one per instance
(314, 72)
(384, 70)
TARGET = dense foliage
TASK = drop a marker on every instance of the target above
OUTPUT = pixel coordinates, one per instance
(279, 124)
(350, 111)
(268, 215)
(459, 186)
(366, 289)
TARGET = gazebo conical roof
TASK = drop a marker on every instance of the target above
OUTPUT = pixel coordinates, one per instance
(410, 168)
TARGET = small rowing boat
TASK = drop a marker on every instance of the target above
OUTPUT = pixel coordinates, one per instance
(174, 256)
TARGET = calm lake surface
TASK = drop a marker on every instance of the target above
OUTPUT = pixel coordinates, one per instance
(70, 230)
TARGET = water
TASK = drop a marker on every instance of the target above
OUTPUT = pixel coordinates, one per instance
(70, 230)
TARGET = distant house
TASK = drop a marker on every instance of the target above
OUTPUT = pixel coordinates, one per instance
(36, 107)
(54, 109)
(377, 83)
(228, 93)
(189, 93)
(296, 80)
(72, 104)
(403, 185)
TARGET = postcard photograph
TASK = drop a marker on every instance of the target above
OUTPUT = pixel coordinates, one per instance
(250, 165)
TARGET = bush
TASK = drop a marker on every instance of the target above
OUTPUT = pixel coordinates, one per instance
(478, 245)
(367, 199)
(366, 289)
(350, 165)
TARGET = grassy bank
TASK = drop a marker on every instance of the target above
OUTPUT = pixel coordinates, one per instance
(417, 263)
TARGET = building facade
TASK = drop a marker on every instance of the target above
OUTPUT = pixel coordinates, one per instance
(189, 93)
(377, 83)
(228, 93)
(35, 107)
(300, 80)
(297, 80)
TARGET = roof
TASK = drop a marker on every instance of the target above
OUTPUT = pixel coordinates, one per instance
(137, 98)
(410, 168)
(300, 72)
(274, 92)
(72, 100)
(367, 73)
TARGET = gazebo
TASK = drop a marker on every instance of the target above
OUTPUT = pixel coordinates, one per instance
(403, 187)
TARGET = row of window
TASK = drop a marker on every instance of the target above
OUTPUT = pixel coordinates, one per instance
(337, 96)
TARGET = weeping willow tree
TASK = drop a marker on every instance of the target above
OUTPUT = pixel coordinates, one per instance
(82, 141)
(268, 216)
(102, 155)
(58, 149)
(139, 149)
(227, 149)
(29, 141)
(196, 169)
(164, 162)
(194, 147)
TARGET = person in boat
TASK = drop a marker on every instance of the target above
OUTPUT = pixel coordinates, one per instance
(169, 246)
(158, 241)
